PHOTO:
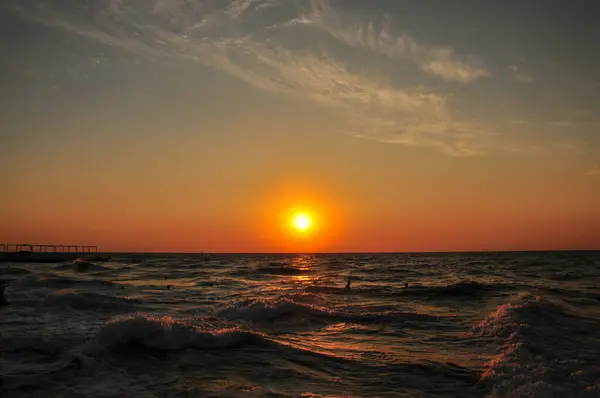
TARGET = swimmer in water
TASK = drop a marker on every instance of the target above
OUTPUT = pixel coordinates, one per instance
(348, 284)
(405, 284)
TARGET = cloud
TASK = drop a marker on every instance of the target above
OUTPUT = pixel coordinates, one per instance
(238, 7)
(287, 49)
(440, 61)
(519, 75)
(594, 172)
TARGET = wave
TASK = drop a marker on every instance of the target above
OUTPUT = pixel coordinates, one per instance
(53, 281)
(61, 360)
(368, 290)
(81, 266)
(475, 263)
(89, 301)
(567, 275)
(282, 270)
(35, 363)
(460, 289)
(546, 350)
(14, 271)
(286, 309)
(167, 334)
(140, 335)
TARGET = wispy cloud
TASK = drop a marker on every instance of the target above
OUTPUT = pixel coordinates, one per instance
(595, 172)
(519, 75)
(253, 40)
(440, 61)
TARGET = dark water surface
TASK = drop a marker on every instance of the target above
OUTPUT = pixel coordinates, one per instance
(468, 325)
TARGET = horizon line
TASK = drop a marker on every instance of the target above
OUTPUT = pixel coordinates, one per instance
(361, 252)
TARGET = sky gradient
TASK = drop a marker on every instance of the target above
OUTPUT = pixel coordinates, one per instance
(174, 125)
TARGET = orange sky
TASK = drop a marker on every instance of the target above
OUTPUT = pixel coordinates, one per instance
(409, 214)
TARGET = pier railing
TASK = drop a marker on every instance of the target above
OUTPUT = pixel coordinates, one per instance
(19, 248)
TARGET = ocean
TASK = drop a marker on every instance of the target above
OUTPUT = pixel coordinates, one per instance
(184, 325)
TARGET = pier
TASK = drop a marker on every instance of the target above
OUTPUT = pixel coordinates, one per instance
(17, 248)
(26, 252)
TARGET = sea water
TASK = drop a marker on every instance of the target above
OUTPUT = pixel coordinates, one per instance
(411, 325)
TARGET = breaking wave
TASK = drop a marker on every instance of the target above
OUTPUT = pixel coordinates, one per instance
(545, 350)
(165, 333)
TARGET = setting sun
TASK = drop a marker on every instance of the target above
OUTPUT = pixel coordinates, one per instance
(302, 222)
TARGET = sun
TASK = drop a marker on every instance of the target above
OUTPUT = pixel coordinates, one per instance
(302, 222)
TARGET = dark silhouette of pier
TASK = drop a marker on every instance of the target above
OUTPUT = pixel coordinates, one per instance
(42, 253)
(48, 248)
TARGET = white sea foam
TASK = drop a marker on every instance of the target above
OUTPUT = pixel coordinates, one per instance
(545, 351)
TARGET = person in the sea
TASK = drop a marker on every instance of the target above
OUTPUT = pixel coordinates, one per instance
(3, 300)
(348, 284)
(405, 284)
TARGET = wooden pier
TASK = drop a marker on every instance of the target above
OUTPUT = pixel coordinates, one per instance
(26, 252)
